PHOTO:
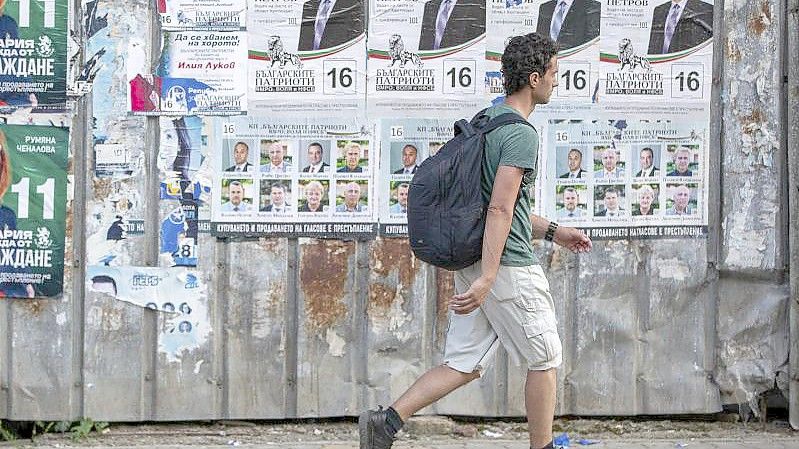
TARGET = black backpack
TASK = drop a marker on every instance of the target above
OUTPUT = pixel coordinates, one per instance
(446, 210)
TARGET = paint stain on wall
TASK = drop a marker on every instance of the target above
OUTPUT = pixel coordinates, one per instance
(324, 270)
(394, 254)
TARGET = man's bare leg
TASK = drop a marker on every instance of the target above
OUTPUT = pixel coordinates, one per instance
(539, 394)
(432, 386)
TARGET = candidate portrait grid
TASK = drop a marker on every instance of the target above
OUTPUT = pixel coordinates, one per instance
(598, 183)
(268, 178)
(405, 156)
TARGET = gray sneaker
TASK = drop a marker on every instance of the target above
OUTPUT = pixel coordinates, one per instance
(373, 429)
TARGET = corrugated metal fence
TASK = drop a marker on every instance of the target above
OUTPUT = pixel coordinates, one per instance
(308, 328)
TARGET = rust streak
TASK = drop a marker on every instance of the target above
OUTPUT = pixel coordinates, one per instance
(761, 20)
(381, 296)
(755, 118)
(323, 277)
(390, 254)
(36, 306)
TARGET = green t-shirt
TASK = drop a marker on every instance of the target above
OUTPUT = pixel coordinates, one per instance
(515, 145)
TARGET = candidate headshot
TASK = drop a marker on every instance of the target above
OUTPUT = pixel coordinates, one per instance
(276, 196)
(316, 163)
(611, 199)
(409, 158)
(571, 204)
(350, 197)
(351, 162)
(330, 23)
(681, 201)
(647, 201)
(241, 154)
(678, 25)
(273, 157)
(449, 23)
(235, 198)
(574, 159)
(314, 193)
(646, 163)
(609, 159)
(570, 23)
(184, 327)
(401, 204)
(682, 159)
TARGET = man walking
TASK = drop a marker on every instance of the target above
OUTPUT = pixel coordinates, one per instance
(506, 295)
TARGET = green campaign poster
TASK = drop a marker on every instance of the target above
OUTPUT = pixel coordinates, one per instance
(33, 202)
(33, 46)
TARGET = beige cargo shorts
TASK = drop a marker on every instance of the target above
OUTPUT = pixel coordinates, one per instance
(518, 313)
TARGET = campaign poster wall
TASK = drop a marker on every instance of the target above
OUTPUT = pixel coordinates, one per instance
(574, 27)
(280, 177)
(33, 188)
(33, 42)
(656, 50)
(200, 73)
(307, 57)
(426, 57)
(629, 178)
(180, 15)
(404, 145)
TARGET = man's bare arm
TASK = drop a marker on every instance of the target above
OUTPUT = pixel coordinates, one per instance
(498, 221)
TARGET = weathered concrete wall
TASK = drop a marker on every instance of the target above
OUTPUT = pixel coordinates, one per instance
(306, 328)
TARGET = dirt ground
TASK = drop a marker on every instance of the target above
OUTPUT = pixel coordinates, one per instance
(427, 429)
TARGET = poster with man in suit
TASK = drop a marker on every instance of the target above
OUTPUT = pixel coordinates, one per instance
(307, 57)
(426, 55)
(657, 51)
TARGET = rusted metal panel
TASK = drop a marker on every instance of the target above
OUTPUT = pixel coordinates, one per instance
(254, 330)
(400, 320)
(326, 351)
(602, 380)
(118, 366)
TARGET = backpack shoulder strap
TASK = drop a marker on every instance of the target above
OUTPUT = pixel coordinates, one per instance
(502, 120)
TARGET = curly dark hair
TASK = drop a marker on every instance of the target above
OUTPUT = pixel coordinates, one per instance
(523, 56)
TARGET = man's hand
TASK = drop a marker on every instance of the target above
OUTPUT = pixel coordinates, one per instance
(572, 239)
(472, 298)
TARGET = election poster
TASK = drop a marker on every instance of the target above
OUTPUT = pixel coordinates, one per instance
(307, 57)
(33, 189)
(179, 295)
(185, 189)
(183, 15)
(636, 177)
(656, 50)
(280, 177)
(574, 26)
(199, 73)
(33, 43)
(426, 57)
(404, 145)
